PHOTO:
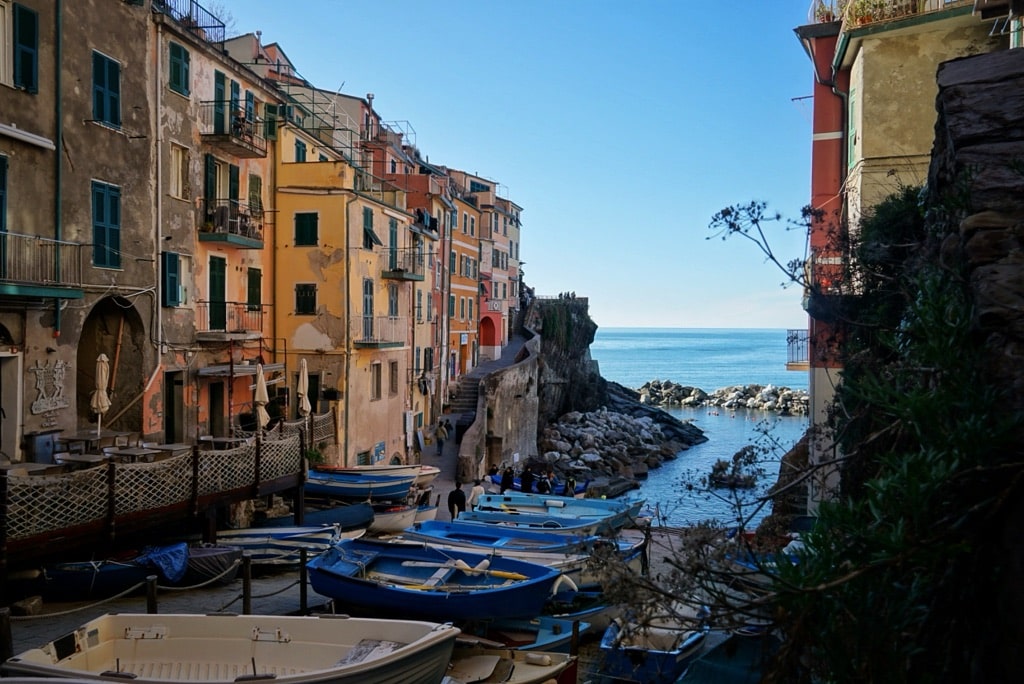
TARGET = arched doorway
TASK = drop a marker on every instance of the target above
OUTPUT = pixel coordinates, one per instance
(114, 328)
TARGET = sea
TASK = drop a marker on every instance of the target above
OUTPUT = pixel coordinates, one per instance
(708, 358)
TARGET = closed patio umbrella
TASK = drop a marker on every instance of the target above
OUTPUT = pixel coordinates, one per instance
(100, 401)
(302, 390)
(261, 398)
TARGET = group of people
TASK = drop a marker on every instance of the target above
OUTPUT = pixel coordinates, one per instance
(543, 483)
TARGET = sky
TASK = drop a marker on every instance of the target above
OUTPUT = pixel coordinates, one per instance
(619, 127)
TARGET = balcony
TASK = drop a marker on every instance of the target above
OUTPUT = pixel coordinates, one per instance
(231, 222)
(193, 17)
(227, 321)
(379, 332)
(832, 284)
(32, 266)
(404, 263)
(225, 127)
(855, 13)
(797, 350)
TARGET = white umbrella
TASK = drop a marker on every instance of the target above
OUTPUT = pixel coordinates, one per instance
(261, 398)
(302, 390)
(100, 402)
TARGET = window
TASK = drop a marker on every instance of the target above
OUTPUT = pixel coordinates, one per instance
(465, 222)
(375, 387)
(393, 300)
(393, 377)
(255, 196)
(254, 289)
(451, 306)
(472, 225)
(300, 151)
(369, 237)
(428, 359)
(3, 200)
(106, 225)
(25, 39)
(430, 308)
(469, 306)
(323, 157)
(106, 90)
(419, 306)
(476, 186)
(179, 185)
(305, 299)
(178, 80)
(306, 229)
(170, 292)
(462, 308)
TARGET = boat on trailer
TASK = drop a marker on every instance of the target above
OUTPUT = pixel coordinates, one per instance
(215, 648)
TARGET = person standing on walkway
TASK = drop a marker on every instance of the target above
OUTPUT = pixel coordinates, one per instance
(474, 494)
(440, 434)
(508, 480)
(456, 501)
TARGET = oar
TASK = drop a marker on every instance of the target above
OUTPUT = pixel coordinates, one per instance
(462, 565)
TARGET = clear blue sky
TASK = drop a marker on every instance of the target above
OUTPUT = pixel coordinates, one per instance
(619, 127)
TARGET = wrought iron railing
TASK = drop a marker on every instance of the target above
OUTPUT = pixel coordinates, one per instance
(193, 17)
(229, 118)
(232, 217)
(34, 260)
(405, 259)
(858, 12)
(230, 316)
(797, 346)
(379, 329)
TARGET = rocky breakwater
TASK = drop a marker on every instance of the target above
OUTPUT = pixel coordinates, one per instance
(781, 400)
(615, 445)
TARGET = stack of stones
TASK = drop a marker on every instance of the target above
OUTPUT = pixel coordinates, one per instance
(782, 400)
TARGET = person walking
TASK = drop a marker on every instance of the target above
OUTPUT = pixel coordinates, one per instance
(474, 494)
(440, 434)
(456, 501)
(526, 480)
(508, 480)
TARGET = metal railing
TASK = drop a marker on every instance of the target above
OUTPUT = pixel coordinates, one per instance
(859, 12)
(227, 118)
(231, 216)
(193, 17)
(404, 259)
(797, 346)
(230, 316)
(34, 260)
(379, 329)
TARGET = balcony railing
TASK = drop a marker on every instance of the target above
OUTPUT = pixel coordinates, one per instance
(404, 263)
(797, 349)
(37, 261)
(858, 12)
(193, 17)
(225, 126)
(220, 219)
(230, 317)
(379, 331)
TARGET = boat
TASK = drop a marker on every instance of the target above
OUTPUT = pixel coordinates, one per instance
(585, 606)
(211, 564)
(492, 537)
(579, 527)
(414, 580)
(426, 475)
(425, 512)
(543, 633)
(621, 511)
(401, 469)
(346, 517)
(99, 579)
(477, 662)
(282, 545)
(358, 485)
(655, 650)
(389, 518)
(180, 648)
(517, 485)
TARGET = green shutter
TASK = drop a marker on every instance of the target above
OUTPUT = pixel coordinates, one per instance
(171, 290)
(219, 103)
(270, 115)
(233, 183)
(26, 49)
(179, 64)
(306, 228)
(254, 288)
(250, 106)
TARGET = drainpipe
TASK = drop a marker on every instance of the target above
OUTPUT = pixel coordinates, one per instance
(58, 112)
(348, 328)
(158, 228)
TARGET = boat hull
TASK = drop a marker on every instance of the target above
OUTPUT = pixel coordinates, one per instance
(413, 580)
(358, 486)
(655, 655)
(281, 545)
(166, 649)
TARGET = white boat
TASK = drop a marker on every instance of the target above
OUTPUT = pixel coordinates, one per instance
(392, 518)
(167, 649)
(283, 545)
(426, 475)
(478, 663)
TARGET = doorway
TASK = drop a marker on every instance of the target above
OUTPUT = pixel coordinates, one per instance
(217, 423)
(174, 406)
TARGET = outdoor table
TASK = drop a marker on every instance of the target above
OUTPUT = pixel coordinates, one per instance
(222, 442)
(89, 437)
(84, 460)
(134, 454)
(171, 449)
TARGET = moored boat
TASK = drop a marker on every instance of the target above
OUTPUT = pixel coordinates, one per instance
(655, 650)
(211, 563)
(543, 633)
(346, 517)
(580, 527)
(619, 512)
(585, 606)
(282, 545)
(173, 648)
(489, 537)
(358, 485)
(517, 485)
(97, 579)
(415, 580)
(475, 662)
(389, 518)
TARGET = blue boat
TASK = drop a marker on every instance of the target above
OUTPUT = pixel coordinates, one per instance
(414, 580)
(282, 545)
(542, 633)
(488, 538)
(585, 607)
(620, 512)
(97, 579)
(358, 485)
(347, 517)
(655, 652)
(578, 527)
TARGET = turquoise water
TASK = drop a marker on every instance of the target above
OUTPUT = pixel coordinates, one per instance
(709, 359)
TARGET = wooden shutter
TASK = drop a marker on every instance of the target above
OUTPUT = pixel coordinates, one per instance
(171, 285)
(26, 49)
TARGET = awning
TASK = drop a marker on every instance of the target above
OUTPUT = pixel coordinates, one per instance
(240, 370)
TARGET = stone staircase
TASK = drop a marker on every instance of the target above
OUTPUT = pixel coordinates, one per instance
(465, 398)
